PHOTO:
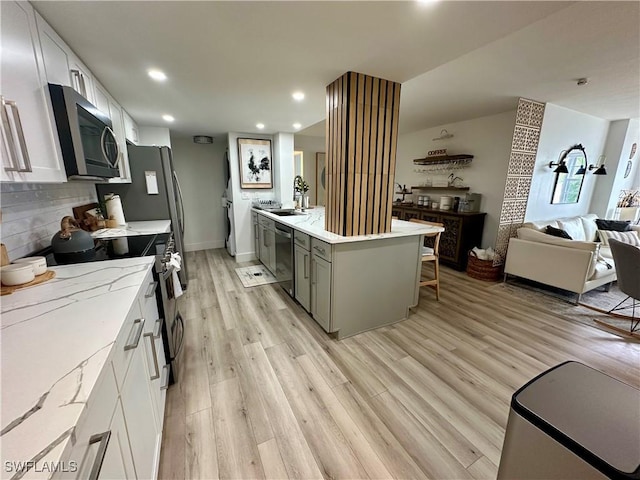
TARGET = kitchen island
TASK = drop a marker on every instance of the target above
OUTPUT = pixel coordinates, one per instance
(351, 284)
(62, 362)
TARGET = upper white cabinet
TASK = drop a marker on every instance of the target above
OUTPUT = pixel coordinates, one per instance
(30, 150)
(131, 131)
(62, 66)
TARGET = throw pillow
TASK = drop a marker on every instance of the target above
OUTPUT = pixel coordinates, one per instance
(613, 225)
(557, 232)
(626, 237)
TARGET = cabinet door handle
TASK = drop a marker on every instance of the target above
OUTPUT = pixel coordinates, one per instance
(321, 250)
(136, 336)
(103, 438)
(164, 383)
(79, 81)
(158, 330)
(314, 270)
(155, 356)
(21, 142)
(306, 260)
(300, 241)
(7, 138)
(152, 289)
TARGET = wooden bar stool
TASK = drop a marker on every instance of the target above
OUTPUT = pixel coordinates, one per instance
(430, 254)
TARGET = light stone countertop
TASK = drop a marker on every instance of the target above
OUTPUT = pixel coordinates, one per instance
(312, 223)
(55, 340)
(134, 229)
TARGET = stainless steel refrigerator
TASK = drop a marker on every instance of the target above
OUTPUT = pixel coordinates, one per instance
(139, 205)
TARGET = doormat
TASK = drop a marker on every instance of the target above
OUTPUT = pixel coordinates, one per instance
(255, 275)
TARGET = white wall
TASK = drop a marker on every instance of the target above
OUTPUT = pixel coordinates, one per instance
(488, 139)
(562, 128)
(283, 168)
(242, 199)
(31, 212)
(310, 146)
(158, 136)
(622, 135)
(201, 172)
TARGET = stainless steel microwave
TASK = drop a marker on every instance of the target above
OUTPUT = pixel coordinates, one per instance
(88, 144)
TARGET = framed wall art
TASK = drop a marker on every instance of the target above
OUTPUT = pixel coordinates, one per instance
(256, 165)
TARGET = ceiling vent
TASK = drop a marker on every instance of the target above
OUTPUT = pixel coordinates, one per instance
(204, 139)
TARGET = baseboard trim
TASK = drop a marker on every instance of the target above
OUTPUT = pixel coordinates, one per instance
(194, 247)
(245, 257)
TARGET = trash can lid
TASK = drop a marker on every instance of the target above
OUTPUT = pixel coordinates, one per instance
(592, 414)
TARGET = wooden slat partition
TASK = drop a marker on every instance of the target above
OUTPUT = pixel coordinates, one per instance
(362, 136)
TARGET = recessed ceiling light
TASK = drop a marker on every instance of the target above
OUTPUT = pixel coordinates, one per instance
(168, 118)
(259, 126)
(298, 96)
(297, 126)
(157, 75)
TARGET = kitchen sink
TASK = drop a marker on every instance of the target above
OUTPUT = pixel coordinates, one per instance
(286, 213)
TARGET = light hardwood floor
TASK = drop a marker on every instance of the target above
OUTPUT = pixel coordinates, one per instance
(265, 393)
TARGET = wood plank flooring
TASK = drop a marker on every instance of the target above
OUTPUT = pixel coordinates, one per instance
(265, 393)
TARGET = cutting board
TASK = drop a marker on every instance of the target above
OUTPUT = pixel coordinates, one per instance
(48, 275)
(78, 214)
(5, 255)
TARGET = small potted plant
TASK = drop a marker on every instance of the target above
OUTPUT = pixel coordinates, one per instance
(302, 187)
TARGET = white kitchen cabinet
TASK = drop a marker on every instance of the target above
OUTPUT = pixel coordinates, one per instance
(321, 283)
(256, 233)
(267, 237)
(303, 277)
(154, 349)
(131, 132)
(30, 149)
(302, 262)
(118, 461)
(62, 66)
(140, 417)
(102, 98)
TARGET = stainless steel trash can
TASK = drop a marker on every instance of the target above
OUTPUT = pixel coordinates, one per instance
(572, 422)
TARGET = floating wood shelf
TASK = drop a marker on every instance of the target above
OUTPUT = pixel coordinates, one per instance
(424, 187)
(444, 159)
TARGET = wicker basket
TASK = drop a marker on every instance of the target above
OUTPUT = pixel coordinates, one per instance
(483, 269)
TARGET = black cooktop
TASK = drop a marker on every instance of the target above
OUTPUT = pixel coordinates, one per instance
(121, 247)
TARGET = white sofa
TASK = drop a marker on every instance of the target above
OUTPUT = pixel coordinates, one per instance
(576, 265)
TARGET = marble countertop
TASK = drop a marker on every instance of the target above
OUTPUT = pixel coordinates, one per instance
(134, 229)
(55, 339)
(312, 223)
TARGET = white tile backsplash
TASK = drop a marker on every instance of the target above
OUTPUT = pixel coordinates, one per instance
(31, 212)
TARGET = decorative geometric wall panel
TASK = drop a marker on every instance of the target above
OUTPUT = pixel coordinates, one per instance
(524, 147)
(362, 135)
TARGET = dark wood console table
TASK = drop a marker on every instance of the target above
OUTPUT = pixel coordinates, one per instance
(462, 231)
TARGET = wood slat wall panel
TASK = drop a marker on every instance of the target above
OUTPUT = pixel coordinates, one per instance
(362, 134)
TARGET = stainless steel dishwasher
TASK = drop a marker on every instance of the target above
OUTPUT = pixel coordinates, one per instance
(284, 257)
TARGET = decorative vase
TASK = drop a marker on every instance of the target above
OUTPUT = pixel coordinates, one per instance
(305, 202)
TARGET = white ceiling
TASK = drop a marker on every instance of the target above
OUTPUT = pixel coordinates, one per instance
(234, 64)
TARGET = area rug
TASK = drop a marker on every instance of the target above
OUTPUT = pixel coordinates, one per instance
(592, 308)
(255, 275)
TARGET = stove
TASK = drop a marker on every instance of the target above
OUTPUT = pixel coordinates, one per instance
(162, 246)
(128, 247)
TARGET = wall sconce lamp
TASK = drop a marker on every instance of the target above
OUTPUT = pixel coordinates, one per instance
(599, 170)
(562, 166)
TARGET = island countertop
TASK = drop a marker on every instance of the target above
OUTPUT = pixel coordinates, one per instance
(312, 223)
(56, 338)
(134, 229)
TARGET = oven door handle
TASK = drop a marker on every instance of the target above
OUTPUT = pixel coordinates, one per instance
(181, 342)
